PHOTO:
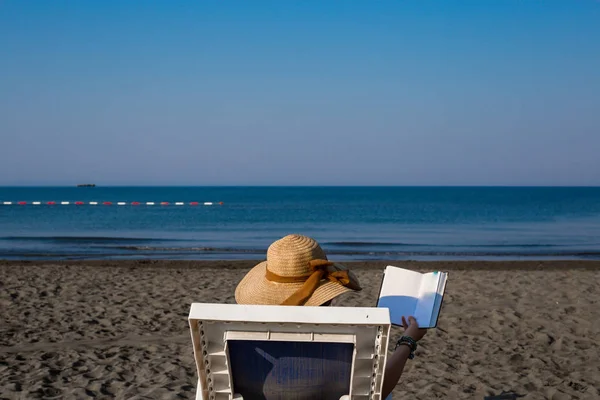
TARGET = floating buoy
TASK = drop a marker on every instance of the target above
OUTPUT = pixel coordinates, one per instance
(108, 203)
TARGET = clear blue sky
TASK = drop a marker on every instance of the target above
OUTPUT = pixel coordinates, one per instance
(312, 92)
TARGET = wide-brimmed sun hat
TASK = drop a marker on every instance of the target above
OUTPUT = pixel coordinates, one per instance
(296, 272)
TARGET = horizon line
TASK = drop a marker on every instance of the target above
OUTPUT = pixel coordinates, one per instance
(304, 186)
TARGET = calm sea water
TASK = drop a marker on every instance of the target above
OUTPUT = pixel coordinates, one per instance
(398, 223)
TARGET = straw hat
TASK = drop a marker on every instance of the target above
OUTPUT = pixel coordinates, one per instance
(296, 272)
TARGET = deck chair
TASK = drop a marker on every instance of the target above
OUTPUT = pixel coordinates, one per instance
(253, 352)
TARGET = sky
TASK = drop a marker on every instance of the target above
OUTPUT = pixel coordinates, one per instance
(300, 93)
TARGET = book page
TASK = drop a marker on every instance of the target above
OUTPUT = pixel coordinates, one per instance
(427, 296)
(399, 292)
(438, 298)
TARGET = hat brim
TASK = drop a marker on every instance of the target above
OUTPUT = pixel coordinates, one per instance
(254, 288)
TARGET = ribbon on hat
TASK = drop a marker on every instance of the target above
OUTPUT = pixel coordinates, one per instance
(318, 271)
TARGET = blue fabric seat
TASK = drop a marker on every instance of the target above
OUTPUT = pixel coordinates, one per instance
(272, 370)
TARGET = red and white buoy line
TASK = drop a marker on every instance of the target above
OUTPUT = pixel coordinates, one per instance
(110, 203)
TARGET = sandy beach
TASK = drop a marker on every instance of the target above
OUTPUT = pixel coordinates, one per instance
(119, 329)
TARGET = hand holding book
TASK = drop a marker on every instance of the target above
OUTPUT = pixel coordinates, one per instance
(411, 328)
(410, 293)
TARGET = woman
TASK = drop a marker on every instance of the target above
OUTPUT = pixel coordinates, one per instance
(297, 273)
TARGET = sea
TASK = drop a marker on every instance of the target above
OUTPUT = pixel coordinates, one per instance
(350, 223)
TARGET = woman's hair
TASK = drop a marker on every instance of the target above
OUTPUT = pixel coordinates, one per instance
(326, 304)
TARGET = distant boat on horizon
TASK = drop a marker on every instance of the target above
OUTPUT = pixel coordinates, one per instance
(87, 185)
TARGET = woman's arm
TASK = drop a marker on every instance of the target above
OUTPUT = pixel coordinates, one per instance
(393, 369)
(395, 363)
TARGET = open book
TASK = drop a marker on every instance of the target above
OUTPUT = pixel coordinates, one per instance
(410, 293)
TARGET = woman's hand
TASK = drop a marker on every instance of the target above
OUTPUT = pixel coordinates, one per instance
(411, 328)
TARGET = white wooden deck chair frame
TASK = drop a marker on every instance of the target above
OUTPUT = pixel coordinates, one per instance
(212, 325)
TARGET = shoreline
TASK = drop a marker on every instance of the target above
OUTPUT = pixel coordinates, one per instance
(528, 265)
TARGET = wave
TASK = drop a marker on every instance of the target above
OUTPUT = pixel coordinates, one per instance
(67, 247)
(466, 253)
(366, 244)
(189, 249)
(517, 245)
(81, 239)
(330, 246)
(399, 244)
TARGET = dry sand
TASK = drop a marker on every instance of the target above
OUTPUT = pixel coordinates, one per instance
(119, 329)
